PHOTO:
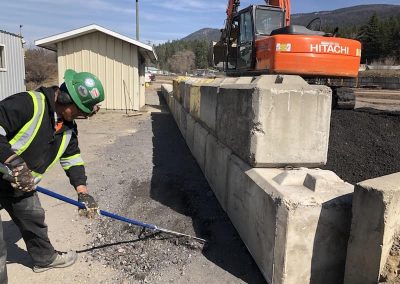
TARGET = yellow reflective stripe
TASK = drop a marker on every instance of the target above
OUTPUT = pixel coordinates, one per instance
(70, 157)
(60, 151)
(29, 124)
(35, 174)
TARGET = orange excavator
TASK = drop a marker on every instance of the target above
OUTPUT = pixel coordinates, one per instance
(260, 40)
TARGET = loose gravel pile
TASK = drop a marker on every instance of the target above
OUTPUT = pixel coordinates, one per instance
(364, 144)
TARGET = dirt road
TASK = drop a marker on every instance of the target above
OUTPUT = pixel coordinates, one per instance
(139, 167)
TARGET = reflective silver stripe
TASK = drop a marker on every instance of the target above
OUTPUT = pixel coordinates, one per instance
(24, 137)
(2, 131)
(75, 160)
(37, 176)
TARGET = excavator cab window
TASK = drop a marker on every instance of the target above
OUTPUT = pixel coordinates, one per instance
(246, 40)
(267, 20)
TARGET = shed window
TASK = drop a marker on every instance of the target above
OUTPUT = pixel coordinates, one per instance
(2, 58)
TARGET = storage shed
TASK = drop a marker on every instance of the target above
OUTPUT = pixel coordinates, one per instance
(118, 61)
(12, 66)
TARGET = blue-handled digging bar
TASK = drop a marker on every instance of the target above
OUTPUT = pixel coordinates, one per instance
(115, 216)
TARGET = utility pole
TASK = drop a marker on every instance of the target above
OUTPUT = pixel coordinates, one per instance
(137, 19)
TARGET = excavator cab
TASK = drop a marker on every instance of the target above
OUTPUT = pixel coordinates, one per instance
(248, 25)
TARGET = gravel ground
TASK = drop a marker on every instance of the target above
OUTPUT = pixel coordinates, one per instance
(150, 175)
(364, 144)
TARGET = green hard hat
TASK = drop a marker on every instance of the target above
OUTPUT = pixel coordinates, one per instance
(84, 88)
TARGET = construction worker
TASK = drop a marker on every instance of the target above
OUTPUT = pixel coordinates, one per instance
(37, 128)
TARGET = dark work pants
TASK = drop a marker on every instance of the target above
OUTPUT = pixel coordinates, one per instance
(3, 257)
(28, 214)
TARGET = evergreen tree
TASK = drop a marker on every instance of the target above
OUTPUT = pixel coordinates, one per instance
(371, 40)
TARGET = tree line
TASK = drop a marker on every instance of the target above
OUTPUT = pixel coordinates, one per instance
(380, 39)
(181, 56)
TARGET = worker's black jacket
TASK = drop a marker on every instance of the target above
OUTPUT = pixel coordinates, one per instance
(15, 112)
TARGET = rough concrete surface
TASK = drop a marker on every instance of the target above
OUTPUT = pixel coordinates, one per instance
(376, 209)
(269, 123)
(138, 167)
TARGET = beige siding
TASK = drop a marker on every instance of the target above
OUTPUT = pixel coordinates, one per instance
(113, 61)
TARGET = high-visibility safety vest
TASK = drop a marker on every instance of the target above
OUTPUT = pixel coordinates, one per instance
(21, 141)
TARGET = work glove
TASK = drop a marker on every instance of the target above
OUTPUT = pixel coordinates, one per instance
(91, 207)
(20, 177)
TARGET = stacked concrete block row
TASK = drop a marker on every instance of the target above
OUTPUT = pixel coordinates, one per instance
(295, 223)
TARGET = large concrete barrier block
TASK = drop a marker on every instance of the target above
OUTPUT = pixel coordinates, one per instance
(167, 92)
(171, 106)
(199, 145)
(174, 107)
(294, 223)
(194, 101)
(178, 86)
(274, 121)
(182, 121)
(208, 105)
(216, 166)
(376, 211)
(190, 122)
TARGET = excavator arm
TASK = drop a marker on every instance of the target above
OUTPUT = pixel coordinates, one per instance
(283, 4)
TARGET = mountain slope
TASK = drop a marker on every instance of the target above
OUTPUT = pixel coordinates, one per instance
(206, 33)
(356, 15)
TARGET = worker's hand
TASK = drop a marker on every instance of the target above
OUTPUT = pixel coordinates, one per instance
(91, 209)
(21, 176)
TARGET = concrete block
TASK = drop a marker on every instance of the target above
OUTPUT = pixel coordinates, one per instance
(294, 233)
(177, 113)
(173, 109)
(181, 91)
(244, 80)
(171, 106)
(191, 98)
(199, 145)
(182, 121)
(178, 87)
(376, 211)
(216, 166)
(194, 101)
(208, 106)
(186, 94)
(272, 122)
(167, 92)
(190, 122)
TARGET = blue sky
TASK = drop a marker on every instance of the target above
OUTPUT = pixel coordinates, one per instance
(160, 20)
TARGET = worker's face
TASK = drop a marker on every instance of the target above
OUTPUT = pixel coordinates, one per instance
(72, 112)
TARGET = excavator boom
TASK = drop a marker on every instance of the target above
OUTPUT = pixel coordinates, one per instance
(283, 4)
